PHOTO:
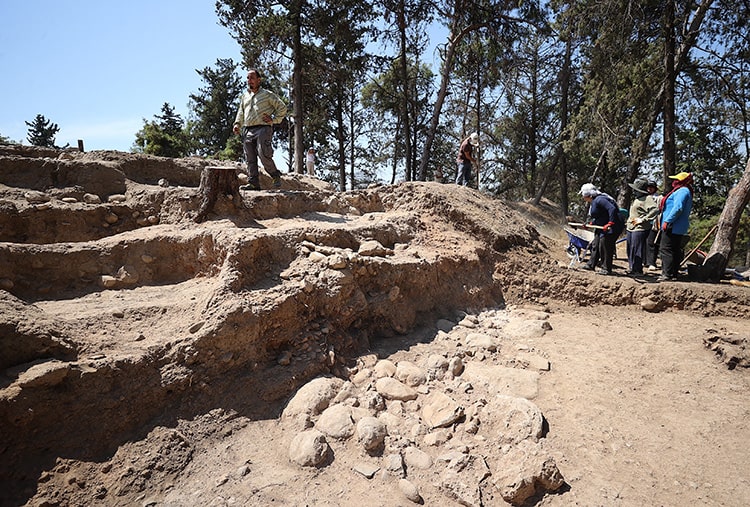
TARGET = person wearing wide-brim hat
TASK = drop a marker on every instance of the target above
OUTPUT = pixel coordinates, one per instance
(675, 222)
(643, 210)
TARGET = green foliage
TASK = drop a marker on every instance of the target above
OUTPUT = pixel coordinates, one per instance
(501, 69)
(715, 163)
(42, 132)
(233, 150)
(214, 107)
(6, 140)
(167, 137)
(383, 97)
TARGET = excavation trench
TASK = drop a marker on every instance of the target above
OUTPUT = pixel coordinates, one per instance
(114, 325)
(242, 340)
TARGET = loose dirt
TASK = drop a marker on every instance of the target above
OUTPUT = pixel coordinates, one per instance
(148, 359)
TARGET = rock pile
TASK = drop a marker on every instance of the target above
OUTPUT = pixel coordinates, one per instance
(464, 415)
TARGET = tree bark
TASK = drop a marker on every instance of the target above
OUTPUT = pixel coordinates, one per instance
(729, 222)
(217, 181)
(403, 68)
(669, 85)
(297, 92)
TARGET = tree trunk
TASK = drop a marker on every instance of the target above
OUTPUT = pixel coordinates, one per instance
(729, 222)
(669, 84)
(404, 71)
(216, 181)
(297, 92)
(641, 148)
(548, 176)
(454, 38)
(564, 114)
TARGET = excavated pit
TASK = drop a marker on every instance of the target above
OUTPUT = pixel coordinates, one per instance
(122, 316)
(236, 312)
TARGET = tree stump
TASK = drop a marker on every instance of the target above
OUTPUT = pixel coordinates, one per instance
(216, 181)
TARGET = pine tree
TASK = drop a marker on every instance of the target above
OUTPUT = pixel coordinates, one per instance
(42, 132)
(166, 137)
(214, 107)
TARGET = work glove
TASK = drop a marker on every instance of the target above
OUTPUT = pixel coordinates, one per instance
(664, 226)
(607, 226)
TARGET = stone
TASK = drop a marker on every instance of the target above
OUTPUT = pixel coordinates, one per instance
(456, 366)
(313, 397)
(417, 458)
(92, 199)
(649, 305)
(371, 433)
(336, 422)
(437, 437)
(366, 470)
(309, 449)
(436, 366)
(384, 368)
(481, 341)
(107, 281)
(373, 248)
(47, 374)
(36, 197)
(461, 480)
(526, 470)
(527, 328)
(410, 491)
(514, 419)
(410, 374)
(440, 410)
(392, 389)
(533, 362)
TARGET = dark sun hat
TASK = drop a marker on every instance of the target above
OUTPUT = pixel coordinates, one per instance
(640, 185)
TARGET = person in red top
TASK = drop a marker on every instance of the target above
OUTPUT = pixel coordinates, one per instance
(466, 157)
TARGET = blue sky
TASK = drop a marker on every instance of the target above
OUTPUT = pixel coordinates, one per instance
(98, 68)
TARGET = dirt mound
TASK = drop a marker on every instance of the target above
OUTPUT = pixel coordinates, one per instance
(140, 348)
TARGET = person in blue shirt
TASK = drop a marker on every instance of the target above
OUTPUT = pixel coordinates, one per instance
(675, 221)
(605, 213)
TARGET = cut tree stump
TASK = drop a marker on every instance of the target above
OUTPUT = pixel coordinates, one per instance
(216, 181)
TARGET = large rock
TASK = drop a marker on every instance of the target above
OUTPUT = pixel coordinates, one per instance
(391, 389)
(336, 422)
(371, 433)
(309, 449)
(440, 410)
(524, 471)
(511, 420)
(313, 397)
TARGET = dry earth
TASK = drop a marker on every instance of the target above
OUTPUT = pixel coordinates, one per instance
(458, 360)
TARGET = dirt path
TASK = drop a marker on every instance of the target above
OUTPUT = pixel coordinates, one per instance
(641, 413)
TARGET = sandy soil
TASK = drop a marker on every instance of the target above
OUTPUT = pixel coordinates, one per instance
(167, 389)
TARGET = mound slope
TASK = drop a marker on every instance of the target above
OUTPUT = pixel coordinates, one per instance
(141, 349)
